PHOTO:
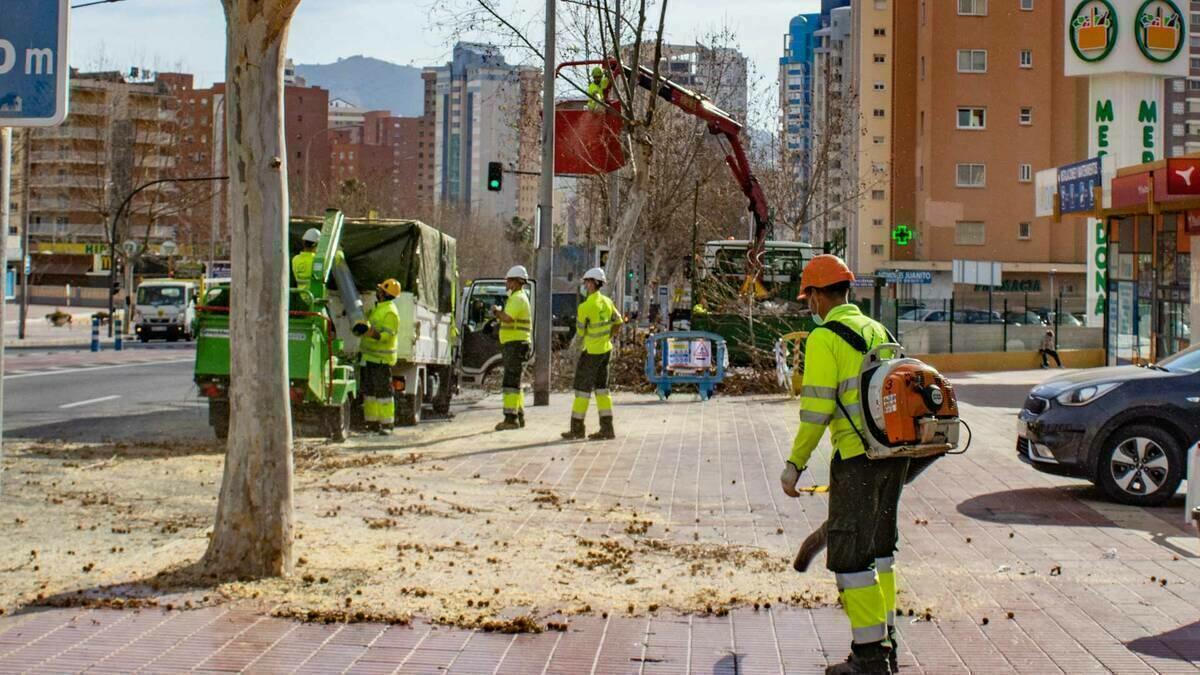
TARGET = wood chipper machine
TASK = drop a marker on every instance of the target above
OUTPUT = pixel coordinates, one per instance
(322, 382)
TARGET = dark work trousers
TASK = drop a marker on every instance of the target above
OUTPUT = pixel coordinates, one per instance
(513, 356)
(1053, 353)
(864, 499)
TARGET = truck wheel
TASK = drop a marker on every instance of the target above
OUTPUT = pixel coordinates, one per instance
(337, 421)
(218, 417)
(1140, 465)
(408, 407)
(445, 390)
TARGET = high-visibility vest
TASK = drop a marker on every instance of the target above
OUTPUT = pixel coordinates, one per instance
(595, 321)
(520, 326)
(302, 266)
(385, 318)
(831, 373)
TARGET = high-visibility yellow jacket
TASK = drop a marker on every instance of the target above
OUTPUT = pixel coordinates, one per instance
(520, 327)
(385, 318)
(302, 266)
(831, 371)
(596, 93)
(595, 321)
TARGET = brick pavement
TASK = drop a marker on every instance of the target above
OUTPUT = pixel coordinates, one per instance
(995, 531)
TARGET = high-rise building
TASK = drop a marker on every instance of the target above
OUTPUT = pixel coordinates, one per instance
(343, 113)
(868, 147)
(980, 105)
(831, 204)
(717, 72)
(1181, 123)
(795, 93)
(384, 156)
(481, 114)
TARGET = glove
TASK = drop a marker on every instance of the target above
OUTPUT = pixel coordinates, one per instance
(360, 329)
(789, 478)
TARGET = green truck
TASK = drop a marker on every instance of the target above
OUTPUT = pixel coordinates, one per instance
(353, 256)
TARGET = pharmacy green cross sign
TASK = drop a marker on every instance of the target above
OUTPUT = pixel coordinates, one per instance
(902, 235)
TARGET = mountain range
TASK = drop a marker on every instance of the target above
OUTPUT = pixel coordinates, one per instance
(370, 84)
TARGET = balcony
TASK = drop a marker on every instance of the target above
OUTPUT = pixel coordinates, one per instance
(76, 182)
(68, 132)
(90, 109)
(65, 157)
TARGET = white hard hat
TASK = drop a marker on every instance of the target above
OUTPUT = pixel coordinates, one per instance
(313, 235)
(517, 272)
(596, 274)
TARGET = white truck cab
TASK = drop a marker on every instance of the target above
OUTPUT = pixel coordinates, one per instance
(165, 309)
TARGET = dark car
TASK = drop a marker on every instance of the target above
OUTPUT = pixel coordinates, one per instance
(1126, 429)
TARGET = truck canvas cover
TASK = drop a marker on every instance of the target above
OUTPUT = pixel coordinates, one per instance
(420, 257)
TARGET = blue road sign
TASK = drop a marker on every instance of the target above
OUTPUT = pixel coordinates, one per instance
(919, 277)
(1076, 183)
(34, 72)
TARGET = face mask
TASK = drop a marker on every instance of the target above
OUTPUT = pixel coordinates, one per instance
(583, 290)
(818, 319)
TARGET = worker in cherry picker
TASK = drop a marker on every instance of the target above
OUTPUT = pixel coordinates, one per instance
(597, 89)
(864, 494)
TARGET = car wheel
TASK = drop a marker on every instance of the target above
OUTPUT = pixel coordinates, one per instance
(1141, 466)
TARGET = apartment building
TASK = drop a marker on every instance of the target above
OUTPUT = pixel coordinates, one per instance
(979, 105)
(832, 204)
(870, 142)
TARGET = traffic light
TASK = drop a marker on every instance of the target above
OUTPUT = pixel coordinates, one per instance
(495, 178)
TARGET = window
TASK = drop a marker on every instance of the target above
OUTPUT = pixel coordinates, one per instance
(972, 7)
(972, 118)
(1026, 5)
(1026, 58)
(1024, 231)
(968, 233)
(970, 175)
(922, 67)
(880, 86)
(878, 140)
(1025, 117)
(1177, 108)
(879, 112)
(1025, 173)
(972, 60)
(880, 4)
(1176, 129)
(876, 249)
(1193, 84)
(877, 222)
(881, 58)
(880, 32)
(1177, 86)
(878, 194)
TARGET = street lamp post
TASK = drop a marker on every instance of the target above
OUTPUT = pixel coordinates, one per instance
(112, 237)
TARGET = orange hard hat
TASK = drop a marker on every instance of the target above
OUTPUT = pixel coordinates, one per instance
(823, 271)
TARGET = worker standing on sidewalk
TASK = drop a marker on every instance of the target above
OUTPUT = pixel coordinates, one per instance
(516, 340)
(378, 347)
(597, 324)
(864, 494)
(302, 262)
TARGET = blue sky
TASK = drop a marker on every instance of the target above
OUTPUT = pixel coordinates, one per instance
(189, 34)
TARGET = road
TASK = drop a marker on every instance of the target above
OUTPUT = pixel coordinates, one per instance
(142, 394)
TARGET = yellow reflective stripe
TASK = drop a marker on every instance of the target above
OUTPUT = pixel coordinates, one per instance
(813, 417)
(809, 391)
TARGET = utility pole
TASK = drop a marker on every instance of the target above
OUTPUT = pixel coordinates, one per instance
(25, 259)
(543, 331)
(5, 204)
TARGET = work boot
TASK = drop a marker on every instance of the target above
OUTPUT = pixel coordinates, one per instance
(510, 422)
(606, 432)
(577, 432)
(383, 430)
(857, 664)
(521, 418)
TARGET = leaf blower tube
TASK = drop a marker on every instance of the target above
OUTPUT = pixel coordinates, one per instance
(348, 290)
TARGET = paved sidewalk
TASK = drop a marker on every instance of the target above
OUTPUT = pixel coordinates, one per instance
(1091, 586)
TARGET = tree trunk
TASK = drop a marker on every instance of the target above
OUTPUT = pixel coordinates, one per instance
(252, 536)
(634, 203)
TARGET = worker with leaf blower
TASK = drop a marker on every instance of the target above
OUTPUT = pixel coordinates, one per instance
(516, 342)
(864, 494)
(597, 323)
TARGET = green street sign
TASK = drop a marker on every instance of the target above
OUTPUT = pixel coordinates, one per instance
(902, 235)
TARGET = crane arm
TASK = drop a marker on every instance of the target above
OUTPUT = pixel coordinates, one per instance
(722, 124)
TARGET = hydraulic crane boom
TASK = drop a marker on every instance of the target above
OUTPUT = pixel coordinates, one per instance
(720, 123)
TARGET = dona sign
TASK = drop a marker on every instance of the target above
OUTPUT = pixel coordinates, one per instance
(1125, 48)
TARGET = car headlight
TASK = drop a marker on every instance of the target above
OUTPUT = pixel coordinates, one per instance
(1085, 394)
